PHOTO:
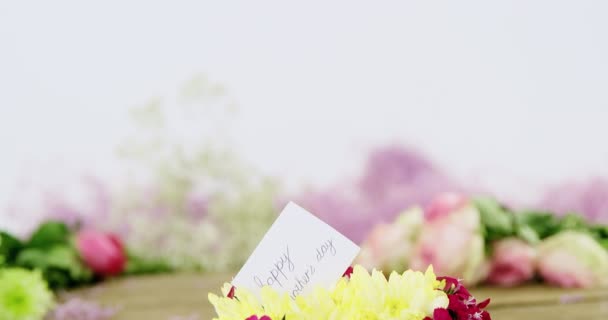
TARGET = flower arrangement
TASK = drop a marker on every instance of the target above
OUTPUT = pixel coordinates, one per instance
(56, 257)
(359, 295)
(490, 243)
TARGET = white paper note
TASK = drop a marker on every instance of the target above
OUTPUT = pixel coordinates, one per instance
(298, 253)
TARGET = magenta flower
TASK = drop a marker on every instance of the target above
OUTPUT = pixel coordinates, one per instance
(254, 317)
(462, 305)
(441, 314)
(102, 252)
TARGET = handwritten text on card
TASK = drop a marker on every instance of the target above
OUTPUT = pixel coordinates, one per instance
(298, 253)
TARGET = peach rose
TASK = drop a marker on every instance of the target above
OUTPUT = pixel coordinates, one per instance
(389, 246)
(451, 240)
(573, 259)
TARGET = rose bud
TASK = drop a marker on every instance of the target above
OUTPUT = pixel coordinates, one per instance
(102, 252)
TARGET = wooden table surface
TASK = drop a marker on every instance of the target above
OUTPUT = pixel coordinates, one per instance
(184, 296)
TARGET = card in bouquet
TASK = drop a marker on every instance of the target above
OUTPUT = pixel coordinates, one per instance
(298, 253)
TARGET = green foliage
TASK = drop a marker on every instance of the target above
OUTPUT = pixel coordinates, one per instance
(499, 222)
(600, 233)
(48, 235)
(137, 265)
(496, 220)
(60, 265)
(9, 247)
(544, 224)
(49, 250)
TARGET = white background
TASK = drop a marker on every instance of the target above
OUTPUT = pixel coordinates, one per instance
(511, 94)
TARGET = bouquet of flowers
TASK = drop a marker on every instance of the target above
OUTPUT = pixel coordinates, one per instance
(57, 257)
(486, 241)
(359, 295)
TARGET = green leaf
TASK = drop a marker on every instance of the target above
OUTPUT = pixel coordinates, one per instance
(49, 234)
(545, 224)
(603, 243)
(9, 246)
(600, 233)
(137, 266)
(60, 265)
(58, 278)
(573, 221)
(528, 234)
(496, 219)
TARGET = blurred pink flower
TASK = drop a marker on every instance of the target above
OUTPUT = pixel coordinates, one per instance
(451, 241)
(513, 262)
(102, 252)
(389, 246)
(394, 178)
(573, 259)
(444, 204)
(588, 198)
(342, 209)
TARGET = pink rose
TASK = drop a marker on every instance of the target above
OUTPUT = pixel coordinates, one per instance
(573, 259)
(389, 246)
(102, 252)
(444, 204)
(512, 262)
(451, 240)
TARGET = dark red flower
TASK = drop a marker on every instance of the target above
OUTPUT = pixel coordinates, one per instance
(462, 305)
(483, 304)
(255, 317)
(231, 292)
(441, 314)
(348, 272)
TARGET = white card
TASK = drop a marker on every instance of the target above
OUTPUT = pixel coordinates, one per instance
(298, 253)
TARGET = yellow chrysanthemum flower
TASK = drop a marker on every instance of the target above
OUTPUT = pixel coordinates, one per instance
(24, 295)
(410, 296)
(245, 304)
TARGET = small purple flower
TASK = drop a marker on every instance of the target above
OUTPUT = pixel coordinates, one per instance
(78, 309)
(197, 205)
